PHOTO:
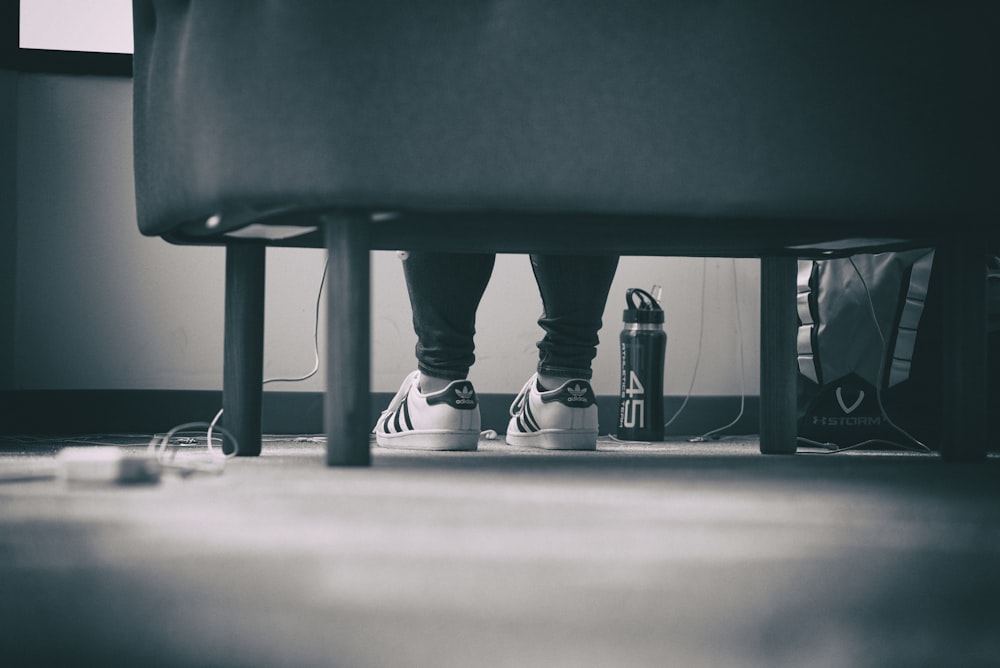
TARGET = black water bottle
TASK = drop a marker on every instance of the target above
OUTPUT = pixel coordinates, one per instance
(643, 353)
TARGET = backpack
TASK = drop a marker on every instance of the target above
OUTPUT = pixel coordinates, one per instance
(869, 351)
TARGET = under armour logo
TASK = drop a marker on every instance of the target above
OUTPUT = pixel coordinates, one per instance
(857, 402)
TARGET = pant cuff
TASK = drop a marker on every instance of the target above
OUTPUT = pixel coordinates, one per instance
(565, 372)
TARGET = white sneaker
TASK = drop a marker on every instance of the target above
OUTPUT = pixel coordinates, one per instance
(444, 420)
(560, 419)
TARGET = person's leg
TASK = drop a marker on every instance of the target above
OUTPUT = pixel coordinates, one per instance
(557, 408)
(574, 292)
(445, 290)
(437, 408)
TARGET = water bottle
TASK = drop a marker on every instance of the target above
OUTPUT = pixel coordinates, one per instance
(643, 353)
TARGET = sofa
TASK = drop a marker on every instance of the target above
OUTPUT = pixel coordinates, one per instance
(720, 128)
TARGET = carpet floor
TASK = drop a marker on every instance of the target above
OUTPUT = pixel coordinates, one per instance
(669, 554)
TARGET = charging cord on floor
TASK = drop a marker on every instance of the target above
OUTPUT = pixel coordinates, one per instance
(94, 462)
(211, 461)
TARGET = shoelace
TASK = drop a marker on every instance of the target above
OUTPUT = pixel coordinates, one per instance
(404, 389)
(522, 396)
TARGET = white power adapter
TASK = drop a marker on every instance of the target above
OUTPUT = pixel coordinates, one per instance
(106, 464)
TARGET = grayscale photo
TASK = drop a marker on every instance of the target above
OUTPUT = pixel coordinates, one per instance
(499, 333)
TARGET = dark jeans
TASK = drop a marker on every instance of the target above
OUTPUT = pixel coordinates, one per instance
(446, 288)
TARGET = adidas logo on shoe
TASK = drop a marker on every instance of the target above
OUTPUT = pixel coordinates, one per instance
(560, 419)
(459, 394)
(444, 420)
(581, 395)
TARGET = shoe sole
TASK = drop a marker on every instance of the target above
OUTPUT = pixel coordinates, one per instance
(555, 439)
(430, 440)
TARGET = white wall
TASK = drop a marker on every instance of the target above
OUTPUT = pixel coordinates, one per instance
(98, 306)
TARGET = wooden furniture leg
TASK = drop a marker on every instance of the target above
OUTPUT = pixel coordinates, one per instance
(964, 419)
(778, 370)
(348, 341)
(243, 366)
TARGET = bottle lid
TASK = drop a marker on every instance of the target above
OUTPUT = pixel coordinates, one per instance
(647, 311)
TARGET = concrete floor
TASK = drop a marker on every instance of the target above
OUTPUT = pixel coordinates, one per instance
(674, 554)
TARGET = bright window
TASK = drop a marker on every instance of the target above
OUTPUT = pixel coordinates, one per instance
(103, 26)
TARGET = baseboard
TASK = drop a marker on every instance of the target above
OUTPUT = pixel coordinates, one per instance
(35, 412)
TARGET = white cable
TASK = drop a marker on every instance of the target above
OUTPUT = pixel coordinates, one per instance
(211, 427)
(701, 336)
(833, 448)
(739, 342)
(310, 374)
(157, 449)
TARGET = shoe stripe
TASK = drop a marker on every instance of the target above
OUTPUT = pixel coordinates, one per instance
(532, 421)
(526, 422)
(396, 426)
(400, 419)
(405, 410)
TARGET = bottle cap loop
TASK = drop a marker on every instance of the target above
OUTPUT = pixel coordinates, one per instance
(646, 311)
